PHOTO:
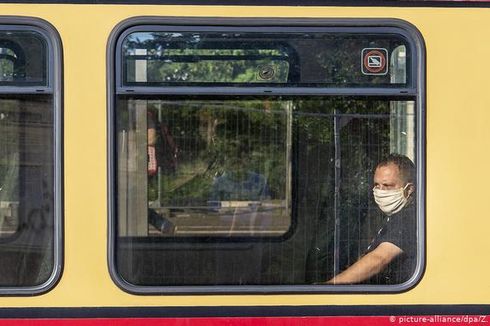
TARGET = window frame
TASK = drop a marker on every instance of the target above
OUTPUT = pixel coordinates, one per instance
(381, 26)
(53, 87)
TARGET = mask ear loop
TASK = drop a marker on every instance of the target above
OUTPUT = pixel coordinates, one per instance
(404, 188)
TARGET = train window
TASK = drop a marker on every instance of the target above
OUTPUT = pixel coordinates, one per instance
(29, 218)
(245, 156)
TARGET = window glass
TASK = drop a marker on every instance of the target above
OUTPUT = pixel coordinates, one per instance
(22, 59)
(26, 164)
(292, 59)
(220, 167)
(262, 189)
(207, 65)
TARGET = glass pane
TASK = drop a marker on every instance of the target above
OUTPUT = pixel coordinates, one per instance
(202, 65)
(26, 190)
(276, 59)
(255, 190)
(23, 57)
(211, 168)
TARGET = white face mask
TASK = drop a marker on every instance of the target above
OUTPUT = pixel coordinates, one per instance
(390, 201)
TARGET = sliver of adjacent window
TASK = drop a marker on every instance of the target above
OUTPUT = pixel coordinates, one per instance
(30, 234)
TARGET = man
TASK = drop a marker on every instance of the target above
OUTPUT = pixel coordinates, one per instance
(391, 256)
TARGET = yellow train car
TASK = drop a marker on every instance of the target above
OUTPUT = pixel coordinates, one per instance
(239, 163)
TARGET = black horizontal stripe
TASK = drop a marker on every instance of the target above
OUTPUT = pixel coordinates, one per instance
(238, 311)
(303, 3)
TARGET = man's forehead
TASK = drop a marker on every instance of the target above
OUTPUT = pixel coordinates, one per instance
(387, 170)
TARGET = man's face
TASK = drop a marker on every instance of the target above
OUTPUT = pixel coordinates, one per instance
(387, 177)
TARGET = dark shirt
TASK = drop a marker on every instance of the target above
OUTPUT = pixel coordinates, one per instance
(399, 229)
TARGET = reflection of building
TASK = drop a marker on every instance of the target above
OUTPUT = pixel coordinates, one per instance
(132, 171)
(402, 113)
(26, 128)
(402, 128)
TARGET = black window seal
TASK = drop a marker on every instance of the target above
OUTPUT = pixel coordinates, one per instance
(404, 28)
(54, 87)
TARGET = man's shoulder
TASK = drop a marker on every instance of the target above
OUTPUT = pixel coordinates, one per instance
(407, 212)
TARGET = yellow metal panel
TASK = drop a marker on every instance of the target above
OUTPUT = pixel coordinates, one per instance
(458, 136)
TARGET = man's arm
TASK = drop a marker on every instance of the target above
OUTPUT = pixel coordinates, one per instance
(369, 265)
(152, 136)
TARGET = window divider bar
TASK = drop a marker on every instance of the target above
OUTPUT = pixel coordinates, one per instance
(25, 90)
(214, 90)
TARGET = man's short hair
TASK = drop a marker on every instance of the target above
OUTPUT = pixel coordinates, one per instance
(404, 164)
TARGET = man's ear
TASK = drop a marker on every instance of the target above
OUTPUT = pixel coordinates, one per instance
(410, 188)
